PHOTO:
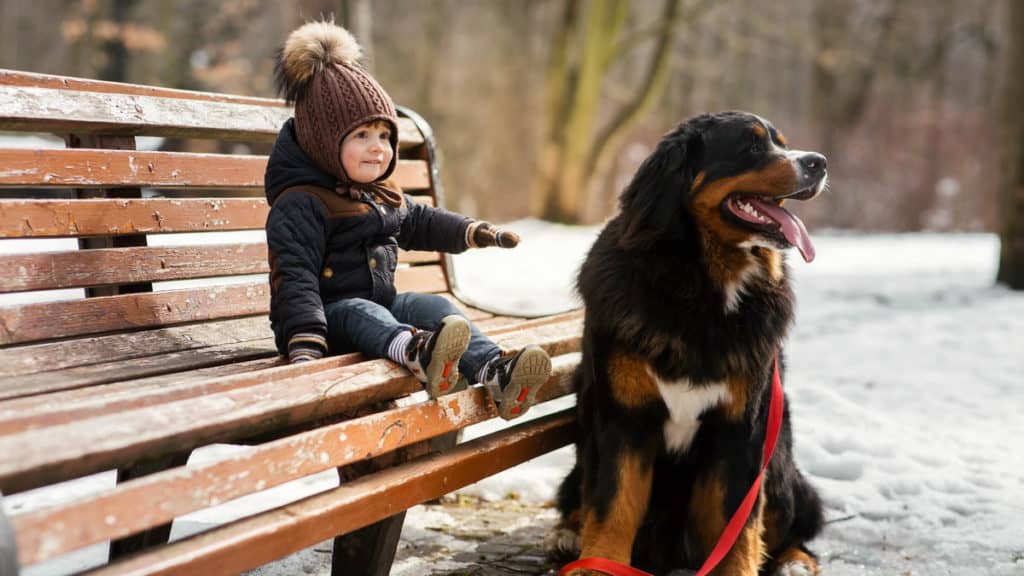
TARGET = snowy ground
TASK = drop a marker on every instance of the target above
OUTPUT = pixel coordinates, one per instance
(906, 384)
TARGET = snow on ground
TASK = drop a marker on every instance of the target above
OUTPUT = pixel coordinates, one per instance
(905, 379)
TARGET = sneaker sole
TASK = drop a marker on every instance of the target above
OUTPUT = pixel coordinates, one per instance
(530, 373)
(451, 344)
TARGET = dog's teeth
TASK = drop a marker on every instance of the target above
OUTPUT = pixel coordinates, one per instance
(749, 209)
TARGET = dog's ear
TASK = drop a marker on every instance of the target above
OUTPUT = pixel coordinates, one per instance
(652, 204)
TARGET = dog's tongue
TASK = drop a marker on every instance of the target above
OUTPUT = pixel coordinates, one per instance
(791, 226)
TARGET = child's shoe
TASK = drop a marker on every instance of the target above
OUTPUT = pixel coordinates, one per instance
(514, 380)
(433, 357)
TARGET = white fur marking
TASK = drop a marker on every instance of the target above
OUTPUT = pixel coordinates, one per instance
(734, 290)
(685, 405)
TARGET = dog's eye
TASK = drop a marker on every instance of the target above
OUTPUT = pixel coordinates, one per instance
(757, 147)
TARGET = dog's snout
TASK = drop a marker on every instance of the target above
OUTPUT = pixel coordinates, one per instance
(813, 162)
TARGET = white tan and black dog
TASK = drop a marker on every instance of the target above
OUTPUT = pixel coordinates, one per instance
(687, 306)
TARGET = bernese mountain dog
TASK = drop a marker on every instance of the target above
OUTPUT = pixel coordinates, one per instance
(687, 303)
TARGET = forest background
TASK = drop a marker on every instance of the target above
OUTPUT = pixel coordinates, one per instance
(545, 108)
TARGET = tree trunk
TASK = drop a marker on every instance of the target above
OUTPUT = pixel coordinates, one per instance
(572, 149)
(557, 84)
(1011, 256)
(610, 139)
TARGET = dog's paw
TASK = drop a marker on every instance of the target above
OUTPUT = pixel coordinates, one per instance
(796, 569)
(562, 544)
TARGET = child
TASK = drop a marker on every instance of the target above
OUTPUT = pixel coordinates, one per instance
(336, 223)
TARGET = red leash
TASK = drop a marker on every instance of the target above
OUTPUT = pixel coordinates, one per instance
(739, 517)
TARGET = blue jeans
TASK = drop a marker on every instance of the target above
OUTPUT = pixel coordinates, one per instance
(358, 325)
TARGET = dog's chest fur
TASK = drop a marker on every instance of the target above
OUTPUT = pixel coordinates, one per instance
(686, 403)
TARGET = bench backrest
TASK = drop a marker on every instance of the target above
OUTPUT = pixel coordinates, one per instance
(142, 219)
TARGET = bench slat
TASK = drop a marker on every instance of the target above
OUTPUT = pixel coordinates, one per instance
(252, 404)
(257, 540)
(88, 168)
(63, 111)
(22, 413)
(112, 217)
(118, 216)
(112, 266)
(408, 134)
(55, 356)
(63, 405)
(51, 320)
(36, 80)
(47, 533)
(33, 109)
(104, 373)
(42, 456)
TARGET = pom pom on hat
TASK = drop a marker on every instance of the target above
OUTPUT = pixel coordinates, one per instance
(310, 49)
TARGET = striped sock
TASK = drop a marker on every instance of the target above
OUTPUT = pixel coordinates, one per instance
(396, 348)
(493, 386)
(481, 374)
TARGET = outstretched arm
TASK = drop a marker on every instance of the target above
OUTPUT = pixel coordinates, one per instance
(429, 228)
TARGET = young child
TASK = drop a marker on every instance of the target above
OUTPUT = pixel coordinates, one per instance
(336, 223)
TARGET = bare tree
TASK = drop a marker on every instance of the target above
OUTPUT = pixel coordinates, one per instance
(1011, 259)
(587, 43)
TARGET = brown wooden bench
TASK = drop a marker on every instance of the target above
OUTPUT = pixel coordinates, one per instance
(103, 366)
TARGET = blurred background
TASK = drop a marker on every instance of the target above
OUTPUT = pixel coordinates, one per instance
(544, 108)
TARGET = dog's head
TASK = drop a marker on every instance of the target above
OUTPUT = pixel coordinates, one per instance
(726, 175)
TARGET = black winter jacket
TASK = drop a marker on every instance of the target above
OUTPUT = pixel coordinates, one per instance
(324, 246)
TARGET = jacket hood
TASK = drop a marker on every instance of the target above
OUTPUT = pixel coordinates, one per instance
(289, 166)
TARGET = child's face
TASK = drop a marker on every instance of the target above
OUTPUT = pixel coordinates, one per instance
(366, 152)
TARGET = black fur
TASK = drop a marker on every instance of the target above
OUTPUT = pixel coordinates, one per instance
(647, 292)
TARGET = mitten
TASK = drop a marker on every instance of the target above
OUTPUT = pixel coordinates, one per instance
(306, 347)
(482, 234)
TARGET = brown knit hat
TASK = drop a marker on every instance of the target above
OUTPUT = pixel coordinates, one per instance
(318, 69)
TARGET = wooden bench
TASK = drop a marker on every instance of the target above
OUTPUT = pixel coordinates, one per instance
(116, 352)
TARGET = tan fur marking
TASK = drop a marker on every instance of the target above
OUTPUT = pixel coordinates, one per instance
(798, 556)
(726, 262)
(772, 262)
(736, 403)
(613, 538)
(707, 511)
(772, 529)
(781, 139)
(631, 386)
(698, 180)
(773, 538)
(759, 130)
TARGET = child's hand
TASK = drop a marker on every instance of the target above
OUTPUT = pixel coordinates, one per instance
(487, 234)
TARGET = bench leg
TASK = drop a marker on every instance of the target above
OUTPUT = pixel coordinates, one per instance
(371, 550)
(158, 534)
(8, 547)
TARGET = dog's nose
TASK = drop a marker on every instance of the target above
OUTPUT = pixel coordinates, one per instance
(813, 162)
